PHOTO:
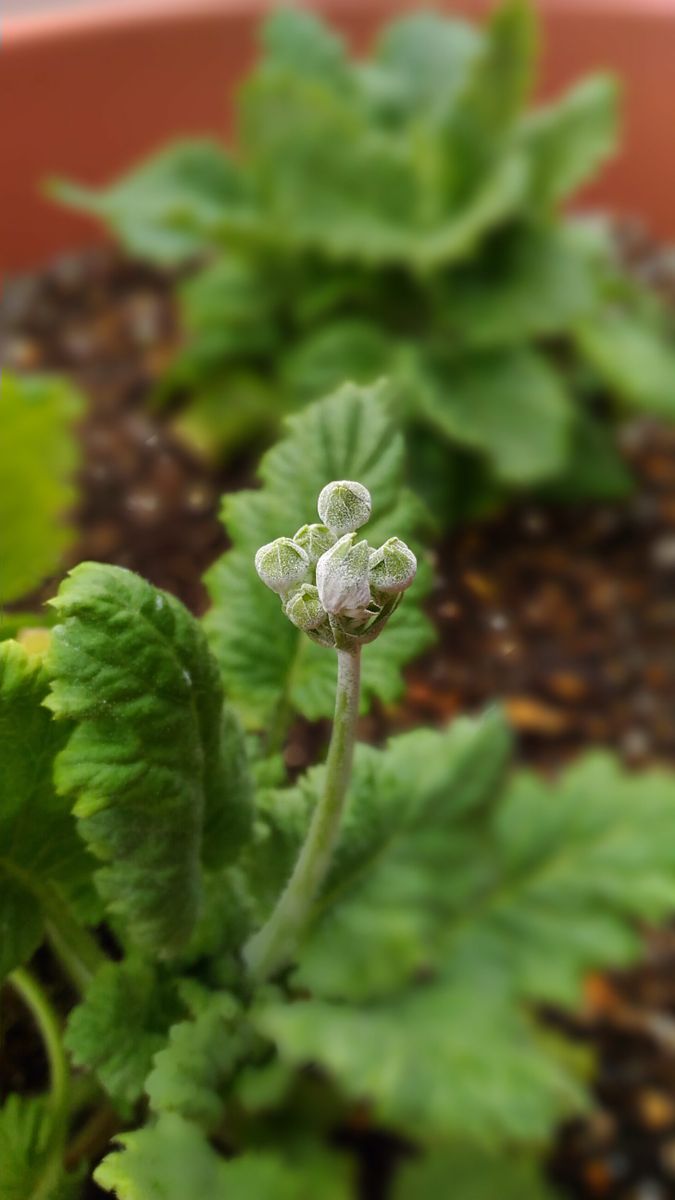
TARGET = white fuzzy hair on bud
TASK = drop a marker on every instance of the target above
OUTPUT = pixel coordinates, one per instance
(304, 608)
(393, 567)
(344, 506)
(315, 540)
(342, 577)
(281, 564)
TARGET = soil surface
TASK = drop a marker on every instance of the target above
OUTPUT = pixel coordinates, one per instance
(566, 615)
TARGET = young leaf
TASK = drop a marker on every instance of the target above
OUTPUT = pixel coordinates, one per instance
(472, 1174)
(36, 490)
(150, 763)
(41, 856)
(120, 1025)
(350, 435)
(570, 139)
(172, 1160)
(158, 209)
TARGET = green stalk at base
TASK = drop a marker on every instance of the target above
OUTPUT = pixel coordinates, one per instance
(274, 945)
(36, 1000)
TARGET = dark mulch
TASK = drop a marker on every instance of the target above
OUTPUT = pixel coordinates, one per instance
(566, 615)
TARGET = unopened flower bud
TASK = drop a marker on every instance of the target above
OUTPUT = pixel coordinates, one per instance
(315, 540)
(342, 577)
(393, 566)
(281, 564)
(304, 607)
(344, 506)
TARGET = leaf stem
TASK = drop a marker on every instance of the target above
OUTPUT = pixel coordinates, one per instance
(272, 947)
(76, 948)
(47, 1021)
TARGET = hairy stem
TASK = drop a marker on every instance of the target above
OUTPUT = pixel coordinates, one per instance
(76, 949)
(274, 945)
(46, 1019)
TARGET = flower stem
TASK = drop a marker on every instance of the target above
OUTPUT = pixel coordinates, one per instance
(274, 945)
(36, 1000)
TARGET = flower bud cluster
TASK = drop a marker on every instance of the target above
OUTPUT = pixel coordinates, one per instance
(339, 590)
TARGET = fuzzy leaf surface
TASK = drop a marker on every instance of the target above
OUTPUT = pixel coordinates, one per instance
(189, 1073)
(120, 1025)
(147, 763)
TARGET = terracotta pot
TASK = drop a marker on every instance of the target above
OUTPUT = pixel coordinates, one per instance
(86, 91)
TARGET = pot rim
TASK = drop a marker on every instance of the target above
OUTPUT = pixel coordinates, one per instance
(69, 21)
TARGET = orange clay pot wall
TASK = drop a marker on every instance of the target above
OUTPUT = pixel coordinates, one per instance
(88, 91)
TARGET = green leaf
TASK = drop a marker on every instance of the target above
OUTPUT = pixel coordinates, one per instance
(228, 312)
(157, 210)
(569, 140)
(472, 1174)
(29, 1169)
(448, 1059)
(120, 1025)
(350, 435)
(421, 63)
(201, 1057)
(330, 179)
(349, 349)
(595, 469)
(36, 490)
(478, 134)
(172, 1160)
(579, 863)
(150, 764)
(434, 941)
(634, 358)
(301, 43)
(529, 283)
(41, 856)
(406, 857)
(510, 405)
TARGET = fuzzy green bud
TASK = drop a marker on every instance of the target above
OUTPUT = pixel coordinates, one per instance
(304, 608)
(344, 506)
(315, 540)
(393, 566)
(342, 577)
(281, 564)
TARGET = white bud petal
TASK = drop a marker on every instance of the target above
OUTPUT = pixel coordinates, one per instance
(281, 564)
(315, 540)
(393, 567)
(304, 608)
(344, 506)
(342, 576)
